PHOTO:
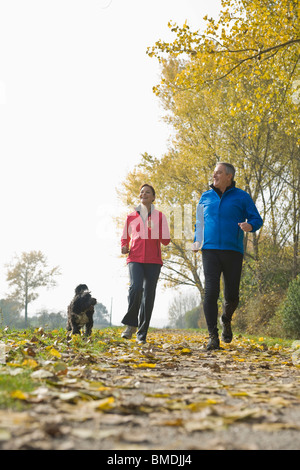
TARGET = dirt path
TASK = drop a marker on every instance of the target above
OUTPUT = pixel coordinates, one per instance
(170, 394)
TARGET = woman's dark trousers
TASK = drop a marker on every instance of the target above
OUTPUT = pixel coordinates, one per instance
(143, 281)
(217, 262)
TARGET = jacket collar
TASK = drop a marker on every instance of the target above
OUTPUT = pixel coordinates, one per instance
(220, 192)
(139, 211)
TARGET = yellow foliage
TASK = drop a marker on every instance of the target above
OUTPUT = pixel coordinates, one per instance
(19, 395)
(30, 363)
(55, 353)
(145, 365)
(105, 404)
(257, 41)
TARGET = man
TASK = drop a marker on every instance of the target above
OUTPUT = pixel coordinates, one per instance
(224, 213)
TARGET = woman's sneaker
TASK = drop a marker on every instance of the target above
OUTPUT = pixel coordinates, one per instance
(130, 330)
(141, 341)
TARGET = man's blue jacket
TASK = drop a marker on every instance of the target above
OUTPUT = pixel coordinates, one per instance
(218, 217)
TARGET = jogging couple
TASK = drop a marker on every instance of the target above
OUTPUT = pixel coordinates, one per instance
(224, 213)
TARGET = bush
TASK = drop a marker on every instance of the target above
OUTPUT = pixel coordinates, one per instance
(290, 309)
(255, 316)
(195, 318)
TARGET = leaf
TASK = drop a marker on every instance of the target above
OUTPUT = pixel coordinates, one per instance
(197, 406)
(275, 427)
(239, 394)
(158, 395)
(60, 368)
(34, 339)
(209, 423)
(71, 397)
(41, 374)
(169, 422)
(144, 365)
(185, 351)
(16, 371)
(30, 363)
(104, 404)
(55, 353)
(18, 394)
(119, 394)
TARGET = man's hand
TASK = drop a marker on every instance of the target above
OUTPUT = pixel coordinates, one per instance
(245, 226)
(124, 250)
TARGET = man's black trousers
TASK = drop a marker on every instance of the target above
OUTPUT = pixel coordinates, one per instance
(217, 262)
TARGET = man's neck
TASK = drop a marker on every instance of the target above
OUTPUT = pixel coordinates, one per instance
(219, 191)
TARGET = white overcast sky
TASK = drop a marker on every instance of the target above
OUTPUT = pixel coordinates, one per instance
(76, 112)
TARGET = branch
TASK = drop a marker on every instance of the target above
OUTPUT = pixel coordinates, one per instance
(258, 52)
(257, 55)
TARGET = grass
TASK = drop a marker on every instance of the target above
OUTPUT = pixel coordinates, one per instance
(269, 341)
(29, 348)
(10, 384)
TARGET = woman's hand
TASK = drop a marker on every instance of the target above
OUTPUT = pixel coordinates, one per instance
(195, 247)
(124, 250)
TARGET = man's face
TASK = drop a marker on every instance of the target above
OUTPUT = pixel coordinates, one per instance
(220, 178)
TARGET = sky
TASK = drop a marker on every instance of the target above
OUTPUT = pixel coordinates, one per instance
(76, 112)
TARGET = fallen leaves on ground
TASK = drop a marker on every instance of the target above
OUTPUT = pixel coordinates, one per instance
(170, 393)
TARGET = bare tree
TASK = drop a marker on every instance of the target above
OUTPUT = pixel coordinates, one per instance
(182, 303)
(26, 273)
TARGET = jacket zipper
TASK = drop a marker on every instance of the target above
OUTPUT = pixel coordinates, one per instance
(219, 212)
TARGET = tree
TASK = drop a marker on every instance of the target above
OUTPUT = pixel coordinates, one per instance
(9, 313)
(253, 40)
(223, 107)
(49, 320)
(181, 304)
(27, 273)
(290, 309)
(195, 318)
(101, 315)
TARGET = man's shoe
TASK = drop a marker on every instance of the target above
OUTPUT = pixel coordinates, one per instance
(130, 330)
(213, 343)
(226, 331)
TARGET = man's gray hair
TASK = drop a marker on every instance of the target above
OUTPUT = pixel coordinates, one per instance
(229, 168)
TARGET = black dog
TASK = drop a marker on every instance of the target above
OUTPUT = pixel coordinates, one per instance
(81, 311)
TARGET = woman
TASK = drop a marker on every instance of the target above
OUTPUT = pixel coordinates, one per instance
(144, 231)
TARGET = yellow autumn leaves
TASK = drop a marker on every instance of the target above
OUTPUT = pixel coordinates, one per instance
(170, 383)
(54, 352)
(253, 45)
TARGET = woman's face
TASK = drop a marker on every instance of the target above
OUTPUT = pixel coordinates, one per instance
(146, 195)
